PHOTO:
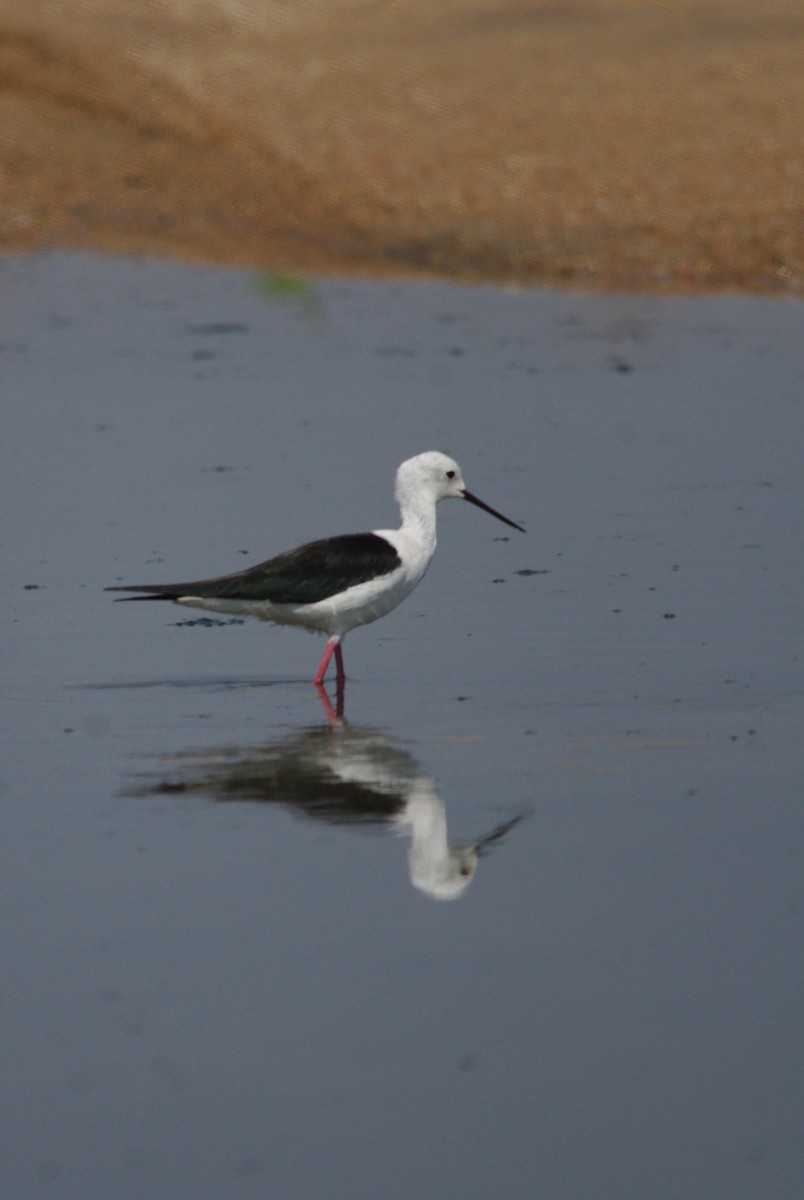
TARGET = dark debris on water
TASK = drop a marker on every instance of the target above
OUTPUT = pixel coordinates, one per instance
(209, 622)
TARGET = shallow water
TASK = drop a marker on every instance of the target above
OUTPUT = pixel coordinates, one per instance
(231, 966)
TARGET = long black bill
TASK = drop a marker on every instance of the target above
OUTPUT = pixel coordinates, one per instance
(498, 834)
(487, 508)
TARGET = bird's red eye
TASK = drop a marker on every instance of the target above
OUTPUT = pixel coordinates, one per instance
(450, 474)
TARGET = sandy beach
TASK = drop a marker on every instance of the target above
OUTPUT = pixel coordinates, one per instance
(605, 144)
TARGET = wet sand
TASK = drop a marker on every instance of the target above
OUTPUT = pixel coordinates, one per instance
(606, 144)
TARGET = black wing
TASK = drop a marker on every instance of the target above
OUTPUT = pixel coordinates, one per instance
(306, 575)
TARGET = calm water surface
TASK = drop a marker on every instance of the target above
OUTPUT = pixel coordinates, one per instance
(525, 923)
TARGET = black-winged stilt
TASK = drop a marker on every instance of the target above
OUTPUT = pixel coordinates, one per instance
(338, 583)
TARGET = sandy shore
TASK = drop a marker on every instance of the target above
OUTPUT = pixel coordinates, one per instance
(606, 143)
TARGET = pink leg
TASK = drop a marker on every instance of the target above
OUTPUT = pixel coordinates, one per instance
(341, 674)
(332, 647)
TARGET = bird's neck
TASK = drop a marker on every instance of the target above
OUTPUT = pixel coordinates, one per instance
(419, 523)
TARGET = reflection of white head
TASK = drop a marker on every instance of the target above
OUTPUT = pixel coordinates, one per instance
(436, 868)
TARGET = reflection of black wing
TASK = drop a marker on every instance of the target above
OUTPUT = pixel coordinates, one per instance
(308, 773)
(306, 575)
(319, 794)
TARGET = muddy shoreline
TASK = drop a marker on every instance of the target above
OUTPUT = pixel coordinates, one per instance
(625, 145)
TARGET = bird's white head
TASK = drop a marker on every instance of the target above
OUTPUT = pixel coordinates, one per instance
(434, 476)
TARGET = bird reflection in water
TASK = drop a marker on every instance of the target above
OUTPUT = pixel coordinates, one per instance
(342, 775)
